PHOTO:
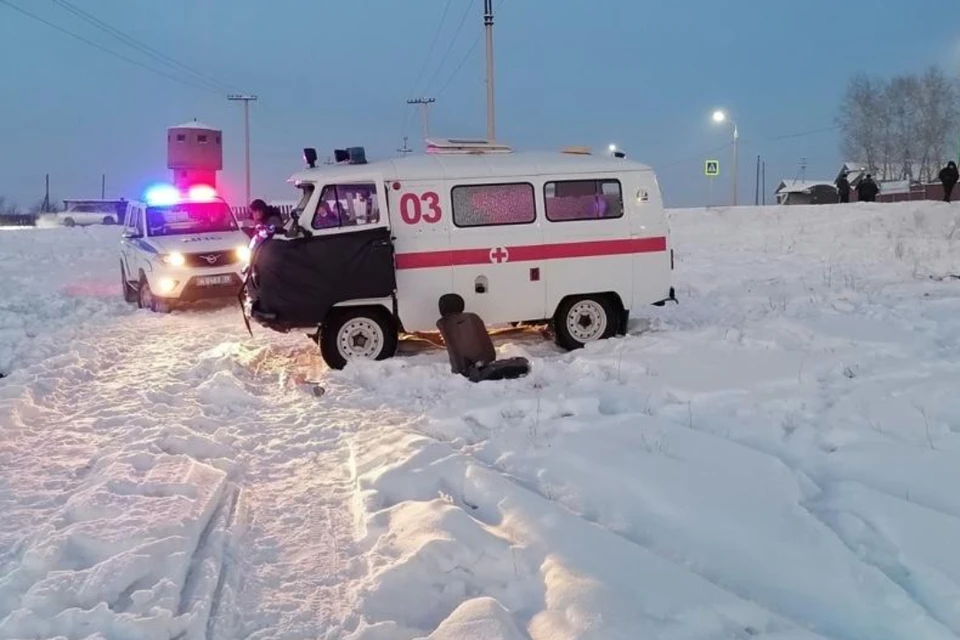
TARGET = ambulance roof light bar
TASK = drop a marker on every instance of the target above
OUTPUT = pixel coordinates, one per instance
(465, 146)
(350, 155)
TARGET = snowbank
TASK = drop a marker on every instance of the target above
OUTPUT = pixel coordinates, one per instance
(776, 457)
(55, 282)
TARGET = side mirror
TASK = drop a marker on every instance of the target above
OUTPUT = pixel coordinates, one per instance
(131, 234)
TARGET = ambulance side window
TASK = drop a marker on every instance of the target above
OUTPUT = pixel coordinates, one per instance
(347, 205)
(583, 200)
(487, 205)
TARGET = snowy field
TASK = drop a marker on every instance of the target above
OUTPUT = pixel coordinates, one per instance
(777, 457)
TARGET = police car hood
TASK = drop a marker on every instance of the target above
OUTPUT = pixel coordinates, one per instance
(219, 241)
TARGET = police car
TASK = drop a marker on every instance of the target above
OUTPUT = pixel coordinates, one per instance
(181, 246)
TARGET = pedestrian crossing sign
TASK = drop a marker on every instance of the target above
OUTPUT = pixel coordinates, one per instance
(712, 168)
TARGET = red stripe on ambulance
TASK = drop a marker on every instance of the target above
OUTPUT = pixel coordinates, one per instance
(530, 253)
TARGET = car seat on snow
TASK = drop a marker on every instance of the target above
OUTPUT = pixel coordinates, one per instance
(469, 345)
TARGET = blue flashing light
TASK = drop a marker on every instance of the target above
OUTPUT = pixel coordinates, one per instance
(162, 195)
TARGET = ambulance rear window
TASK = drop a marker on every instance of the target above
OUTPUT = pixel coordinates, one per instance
(493, 204)
(583, 200)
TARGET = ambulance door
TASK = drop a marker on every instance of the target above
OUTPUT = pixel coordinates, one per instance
(591, 236)
(347, 218)
(420, 219)
(497, 249)
(652, 261)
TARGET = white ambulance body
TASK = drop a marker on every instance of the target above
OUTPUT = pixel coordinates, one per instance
(566, 237)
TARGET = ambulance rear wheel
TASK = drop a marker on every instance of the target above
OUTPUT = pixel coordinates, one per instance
(584, 319)
(363, 333)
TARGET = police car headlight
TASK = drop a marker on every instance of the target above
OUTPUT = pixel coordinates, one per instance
(166, 285)
(174, 259)
(243, 253)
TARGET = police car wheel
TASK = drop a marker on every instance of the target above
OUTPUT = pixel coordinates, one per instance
(129, 294)
(357, 334)
(146, 299)
(582, 320)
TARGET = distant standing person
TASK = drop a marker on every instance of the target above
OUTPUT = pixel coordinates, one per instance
(949, 176)
(867, 190)
(843, 187)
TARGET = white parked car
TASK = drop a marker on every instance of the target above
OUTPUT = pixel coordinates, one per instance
(181, 247)
(85, 213)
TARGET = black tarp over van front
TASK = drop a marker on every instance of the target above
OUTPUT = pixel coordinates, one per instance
(299, 280)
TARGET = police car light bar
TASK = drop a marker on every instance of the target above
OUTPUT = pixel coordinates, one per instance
(202, 192)
(163, 195)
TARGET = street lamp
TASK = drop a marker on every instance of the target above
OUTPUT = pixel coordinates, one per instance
(720, 117)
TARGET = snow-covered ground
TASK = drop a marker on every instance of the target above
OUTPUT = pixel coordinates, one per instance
(777, 457)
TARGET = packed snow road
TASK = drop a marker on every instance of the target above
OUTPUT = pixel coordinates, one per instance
(776, 457)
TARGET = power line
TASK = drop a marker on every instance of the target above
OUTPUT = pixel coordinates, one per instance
(465, 58)
(800, 134)
(803, 134)
(140, 46)
(111, 52)
(463, 61)
(423, 67)
(456, 36)
(436, 38)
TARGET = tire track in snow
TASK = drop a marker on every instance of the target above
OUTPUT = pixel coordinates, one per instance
(803, 476)
(893, 569)
(533, 487)
(117, 394)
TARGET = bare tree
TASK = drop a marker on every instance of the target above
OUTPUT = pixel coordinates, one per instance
(859, 117)
(7, 208)
(940, 117)
(900, 128)
(901, 137)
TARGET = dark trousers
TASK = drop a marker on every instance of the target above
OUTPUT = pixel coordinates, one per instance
(844, 196)
(948, 190)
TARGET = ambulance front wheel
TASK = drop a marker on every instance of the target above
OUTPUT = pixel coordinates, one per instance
(583, 319)
(360, 333)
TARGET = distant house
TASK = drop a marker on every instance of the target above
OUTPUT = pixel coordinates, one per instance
(904, 189)
(807, 192)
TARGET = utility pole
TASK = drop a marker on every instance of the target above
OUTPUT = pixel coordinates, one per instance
(763, 180)
(756, 188)
(736, 160)
(404, 150)
(103, 187)
(45, 207)
(488, 27)
(246, 99)
(424, 113)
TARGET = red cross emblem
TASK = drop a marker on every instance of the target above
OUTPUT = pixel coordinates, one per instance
(499, 255)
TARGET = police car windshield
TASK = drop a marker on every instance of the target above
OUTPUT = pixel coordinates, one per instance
(190, 217)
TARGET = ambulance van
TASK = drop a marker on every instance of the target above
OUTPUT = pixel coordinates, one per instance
(573, 239)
